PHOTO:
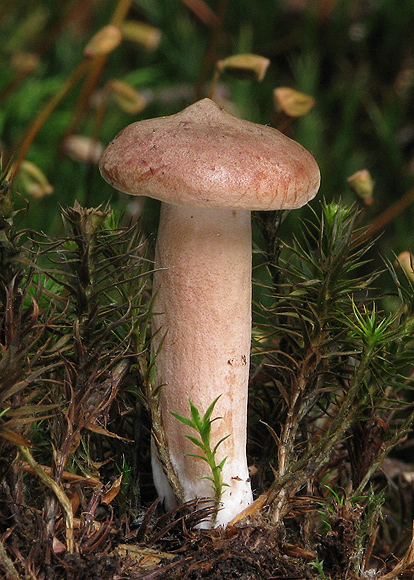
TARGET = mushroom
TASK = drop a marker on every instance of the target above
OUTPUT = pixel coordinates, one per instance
(210, 170)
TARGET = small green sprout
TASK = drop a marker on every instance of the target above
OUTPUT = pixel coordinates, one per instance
(202, 425)
(318, 564)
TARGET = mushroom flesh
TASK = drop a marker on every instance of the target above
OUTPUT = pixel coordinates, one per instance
(210, 169)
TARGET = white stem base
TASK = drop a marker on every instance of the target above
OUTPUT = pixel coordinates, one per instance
(202, 312)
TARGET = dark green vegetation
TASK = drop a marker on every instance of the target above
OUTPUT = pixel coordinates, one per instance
(331, 385)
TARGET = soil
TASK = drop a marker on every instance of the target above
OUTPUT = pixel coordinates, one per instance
(250, 552)
(170, 547)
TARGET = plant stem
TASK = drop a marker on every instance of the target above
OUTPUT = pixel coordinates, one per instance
(97, 65)
(387, 216)
(95, 68)
(286, 440)
(59, 493)
(7, 564)
(45, 114)
(210, 55)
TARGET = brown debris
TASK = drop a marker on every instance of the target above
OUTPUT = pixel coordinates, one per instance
(250, 552)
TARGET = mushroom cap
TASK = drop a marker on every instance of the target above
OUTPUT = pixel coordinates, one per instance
(206, 157)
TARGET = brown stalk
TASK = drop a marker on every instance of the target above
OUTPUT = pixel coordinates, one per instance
(71, 478)
(59, 493)
(43, 45)
(214, 82)
(97, 65)
(210, 56)
(254, 508)
(380, 222)
(7, 564)
(42, 117)
(406, 564)
(69, 13)
(13, 84)
(100, 112)
(202, 11)
(158, 434)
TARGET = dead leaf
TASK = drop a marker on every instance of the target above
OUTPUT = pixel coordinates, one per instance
(57, 546)
(145, 557)
(95, 428)
(113, 491)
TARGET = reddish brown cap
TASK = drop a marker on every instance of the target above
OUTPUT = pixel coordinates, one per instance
(206, 157)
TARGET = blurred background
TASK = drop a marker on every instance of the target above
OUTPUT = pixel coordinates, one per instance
(65, 92)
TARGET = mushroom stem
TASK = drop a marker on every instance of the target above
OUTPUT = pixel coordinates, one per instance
(202, 313)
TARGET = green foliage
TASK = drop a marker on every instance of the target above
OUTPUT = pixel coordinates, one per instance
(337, 368)
(22, 365)
(318, 565)
(72, 314)
(202, 425)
